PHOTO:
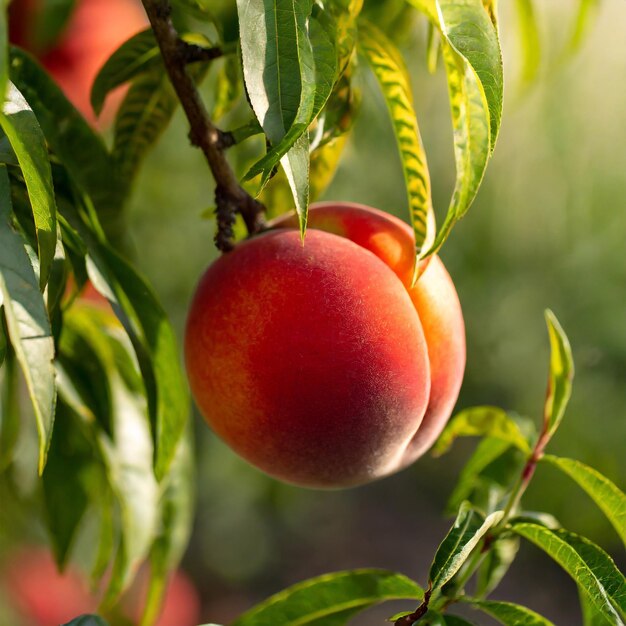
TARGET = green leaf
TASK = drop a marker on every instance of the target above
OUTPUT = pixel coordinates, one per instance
(176, 504)
(609, 498)
(49, 20)
(388, 66)
(510, 614)
(482, 421)
(468, 529)
(279, 72)
(318, 601)
(9, 407)
(496, 564)
(135, 56)
(323, 33)
(487, 451)
(560, 376)
(227, 88)
(590, 567)
(591, 616)
(470, 124)
(530, 41)
(27, 321)
(142, 117)
(155, 343)
(468, 28)
(71, 138)
(21, 127)
(66, 491)
(87, 620)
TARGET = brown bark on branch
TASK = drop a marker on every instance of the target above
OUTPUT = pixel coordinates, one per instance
(230, 197)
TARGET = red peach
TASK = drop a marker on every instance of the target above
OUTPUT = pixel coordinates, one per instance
(309, 359)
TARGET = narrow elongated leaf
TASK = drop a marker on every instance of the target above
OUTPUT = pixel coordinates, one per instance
(455, 620)
(590, 567)
(468, 529)
(9, 408)
(323, 33)
(393, 78)
(530, 42)
(468, 28)
(176, 503)
(609, 498)
(142, 117)
(71, 138)
(482, 421)
(560, 375)
(27, 321)
(511, 614)
(314, 601)
(155, 343)
(65, 488)
(21, 127)
(591, 615)
(49, 21)
(135, 56)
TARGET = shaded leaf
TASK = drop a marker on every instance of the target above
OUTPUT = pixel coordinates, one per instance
(393, 78)
(609, 498)
(511, 614)
(27, 321)
(4, 49)
(21, 127)
(468, 529)
(71, 138)
(9, 408)
(482, 421)
(135, 56)
(65, 486)
(320, 600)
(227, 89)
(560, 375)
(590, 567)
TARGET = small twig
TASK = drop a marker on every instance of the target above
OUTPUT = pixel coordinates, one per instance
(420, 611)
(230, 196)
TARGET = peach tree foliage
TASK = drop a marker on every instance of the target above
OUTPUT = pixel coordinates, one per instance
(106, 391)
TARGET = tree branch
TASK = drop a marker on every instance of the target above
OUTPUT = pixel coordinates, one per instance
(230, 196)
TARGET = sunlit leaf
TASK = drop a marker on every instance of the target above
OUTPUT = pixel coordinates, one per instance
(27, 321)
(587, 11)
(511, 614)
(591, 615)
(609, 498)
(560, 375)
(135, 56)
(530, 42)
(22, 128)
(468, 529)
(590, 567)
(319, 600)
(227, 89)
(468, 28)
(482, 421)
(393, 78)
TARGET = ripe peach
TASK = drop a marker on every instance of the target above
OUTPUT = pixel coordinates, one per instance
(314, 361)
(95, 30)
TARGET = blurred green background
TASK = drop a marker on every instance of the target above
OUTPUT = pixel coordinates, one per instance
(547, 230)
